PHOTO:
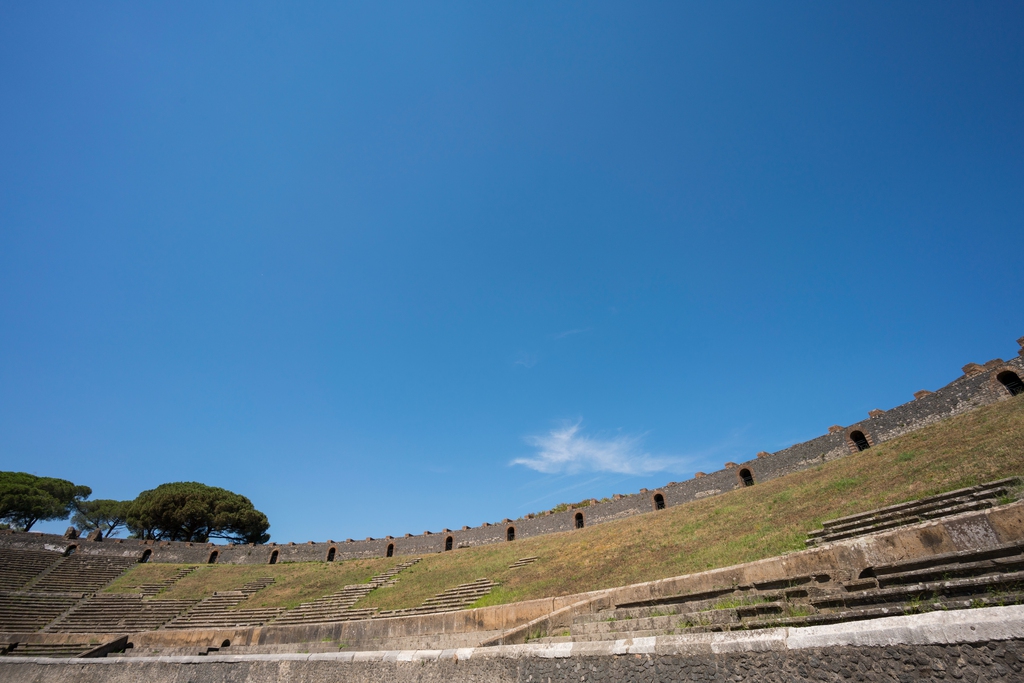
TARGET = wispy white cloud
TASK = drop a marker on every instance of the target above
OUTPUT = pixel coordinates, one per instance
(567, 333)
(567, 450)
(526, 360)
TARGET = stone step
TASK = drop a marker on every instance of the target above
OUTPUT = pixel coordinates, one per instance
(952, 571)
(154, 588)
(83, 573)
(709, 600)
(27, 612)
(912, 512)
(48, 650)
(892, 523)
(216, 611)
(19, 567)
(975, 585)
(522, 562)
(944, 559)
(119, 612)
(980, 488)
(919, 509)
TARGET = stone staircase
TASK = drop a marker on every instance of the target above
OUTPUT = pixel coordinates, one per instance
(915, 511)
(522, 562)
(18, 567)
(120, 613)
(942, 582)
(338, 606)
(81, 574)
(151, 589)
(215, 611)
(450, 600)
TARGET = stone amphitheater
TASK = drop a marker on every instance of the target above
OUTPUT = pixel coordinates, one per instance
(927, 589)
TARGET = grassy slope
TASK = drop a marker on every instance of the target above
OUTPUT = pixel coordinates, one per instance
(744, 525)
(749, 524)
(294, 583)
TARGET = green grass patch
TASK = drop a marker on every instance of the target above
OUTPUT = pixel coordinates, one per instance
(294, 583)
(144, 574)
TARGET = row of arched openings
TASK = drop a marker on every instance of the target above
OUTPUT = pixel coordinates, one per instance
(1009, 379)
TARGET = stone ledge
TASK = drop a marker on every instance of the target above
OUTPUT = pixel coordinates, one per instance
(934, 628)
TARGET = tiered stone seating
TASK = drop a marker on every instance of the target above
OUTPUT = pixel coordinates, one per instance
(24, 612)
(46, 649)
(942, 582)
(450, 600)
(18, 567)
(82, 574)
(338, 606)
(119, 612)
(912, 512)
(151, 589)
(215, 612)
(522, 562)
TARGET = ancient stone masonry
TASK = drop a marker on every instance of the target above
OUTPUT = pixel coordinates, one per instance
(933, 507)
(981, 384)
(781, 657)
(935, 579)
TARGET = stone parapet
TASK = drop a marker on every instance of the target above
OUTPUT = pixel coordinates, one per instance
(983, 644)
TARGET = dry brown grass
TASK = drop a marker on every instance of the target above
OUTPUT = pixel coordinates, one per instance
(741, 526)
(768, 519)
(144, 574)
(293, 583)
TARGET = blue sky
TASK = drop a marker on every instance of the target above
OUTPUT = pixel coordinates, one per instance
(386, 268)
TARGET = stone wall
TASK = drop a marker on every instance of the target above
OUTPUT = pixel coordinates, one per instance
(977, 387)
(972, 645)
(513, 623)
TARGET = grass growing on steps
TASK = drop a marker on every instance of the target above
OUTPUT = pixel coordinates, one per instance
(748, 524)
(294, 583)
(144, 574)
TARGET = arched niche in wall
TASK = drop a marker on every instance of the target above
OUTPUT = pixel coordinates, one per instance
(578, 520)
(449, 543)
(860, 440)
(145, 556)
(70, 550)
(273, 557)
(510, 533)
(746, 477)
(658, 501)
(331, 552)
(391, 550)
(1010, 381)
(213, 558)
